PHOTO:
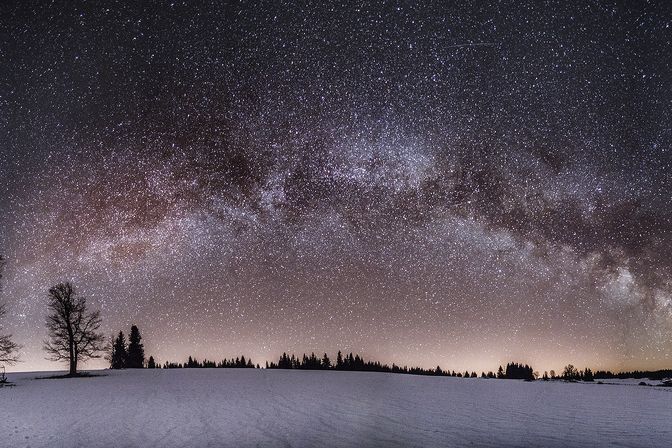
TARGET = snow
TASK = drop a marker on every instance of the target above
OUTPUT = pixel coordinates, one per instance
(281, 408)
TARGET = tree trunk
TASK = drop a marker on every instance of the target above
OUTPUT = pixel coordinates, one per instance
(73, 354)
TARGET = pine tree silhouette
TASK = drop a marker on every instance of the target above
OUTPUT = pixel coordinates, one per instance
(119, 356)
(136, 352)
(339, 361)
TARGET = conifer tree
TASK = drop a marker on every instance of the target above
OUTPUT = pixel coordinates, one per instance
(136, 352)
(119, 355)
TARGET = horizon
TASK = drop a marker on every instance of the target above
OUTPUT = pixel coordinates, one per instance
(418, 184)
(103, 364)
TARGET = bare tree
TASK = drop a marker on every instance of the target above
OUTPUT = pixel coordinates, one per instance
(8, 350)
(72, 331)
(570, 372)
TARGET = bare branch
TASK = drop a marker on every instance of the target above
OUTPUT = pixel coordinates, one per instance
(72, 331)
(8, 349)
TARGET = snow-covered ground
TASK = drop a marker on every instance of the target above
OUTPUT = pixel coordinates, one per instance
(279, 408)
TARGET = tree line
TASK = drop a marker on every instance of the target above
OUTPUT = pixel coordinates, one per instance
(515, 371)
(347, 363)
(355, 363)
(9, 350)
(73, 337)
(312, 362)
(238, 363)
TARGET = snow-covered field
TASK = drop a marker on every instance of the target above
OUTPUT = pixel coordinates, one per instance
(269, 408)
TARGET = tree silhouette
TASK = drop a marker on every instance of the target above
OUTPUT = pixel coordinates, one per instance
(517, 371)
(119, 355)
(284, 362)
(71, 330)
(570, 372)
(349, 362)
(339, 360)
(310, 363)
(136, 352)
(8, 350)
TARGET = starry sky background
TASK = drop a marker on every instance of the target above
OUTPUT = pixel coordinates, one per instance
(421, 183)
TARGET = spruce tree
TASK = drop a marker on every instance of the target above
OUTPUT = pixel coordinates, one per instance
(136, 352)
(119, 356)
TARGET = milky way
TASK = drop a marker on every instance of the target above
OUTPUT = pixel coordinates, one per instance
(462, 186)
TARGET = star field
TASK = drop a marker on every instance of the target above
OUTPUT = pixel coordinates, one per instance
(462, 186)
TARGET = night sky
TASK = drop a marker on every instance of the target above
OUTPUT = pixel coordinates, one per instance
(461, 184)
